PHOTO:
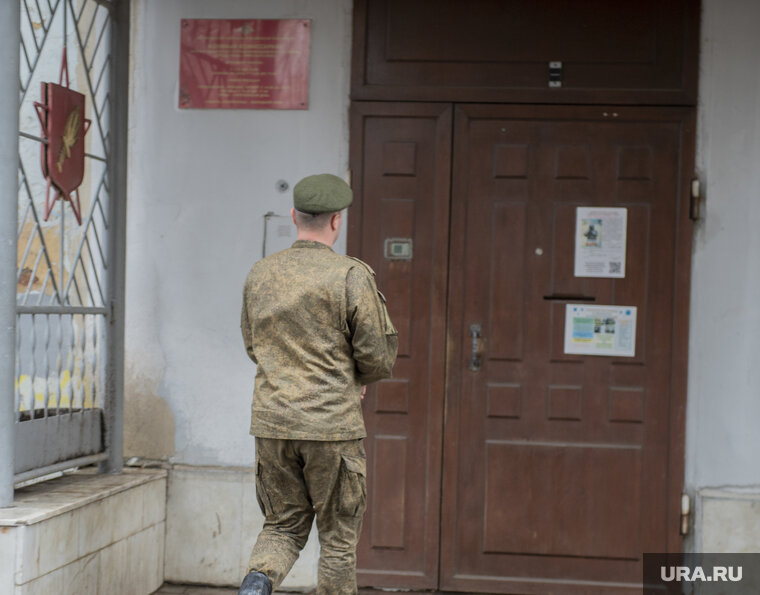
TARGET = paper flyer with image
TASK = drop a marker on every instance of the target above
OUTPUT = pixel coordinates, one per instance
(600, 330)
(600, 242)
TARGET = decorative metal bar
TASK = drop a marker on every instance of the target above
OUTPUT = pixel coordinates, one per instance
(77, 400)
(88, 219)
(71, 360)
(22, 221)
(87, 283)
(106, 64)
(42, 471)
(43, 288)
(58, 360)
(25, 87)
(82, 362)
(33, 373)
(26, 55)
(103, 259)
(90, 367)
(62, 310)
(101, 133)
(102, 185)
(66, 24)
(41, 25)
(76, 362)
(102, 214)
(79, 294)
(100, 111)
(41, 236)
(96, 157)
(62, 248)
(31, 26)
(88, 364)
(17, 375)
(104, 223)
(92, 22)
(42, 18)
(97, 45)
(46, 339)
(97, 280)
(97, 375)
(32, 137)
(31, 278)
(100, 247)
(87, 222)
(26, 253)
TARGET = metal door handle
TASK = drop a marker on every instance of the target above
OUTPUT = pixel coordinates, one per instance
(476, 333)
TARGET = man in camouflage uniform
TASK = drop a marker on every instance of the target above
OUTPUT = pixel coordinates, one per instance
(318, 330)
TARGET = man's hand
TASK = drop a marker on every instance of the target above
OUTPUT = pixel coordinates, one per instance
(364, 392)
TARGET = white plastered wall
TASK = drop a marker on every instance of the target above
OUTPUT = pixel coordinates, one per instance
(722, 468)
(200, 182)
(199, 185)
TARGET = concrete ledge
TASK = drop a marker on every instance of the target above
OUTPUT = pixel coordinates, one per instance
(212, 522)
(85, 534)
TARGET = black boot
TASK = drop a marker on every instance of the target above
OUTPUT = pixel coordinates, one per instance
(255, 583)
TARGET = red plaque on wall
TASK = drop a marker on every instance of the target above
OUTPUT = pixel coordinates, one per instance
(244, 64)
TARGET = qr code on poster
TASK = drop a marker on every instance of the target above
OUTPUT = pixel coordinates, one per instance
(615, 267)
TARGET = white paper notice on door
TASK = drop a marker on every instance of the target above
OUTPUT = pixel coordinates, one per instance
(600, 241)
(600, 330)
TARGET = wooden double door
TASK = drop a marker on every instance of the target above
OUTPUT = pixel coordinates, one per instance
(535, 471)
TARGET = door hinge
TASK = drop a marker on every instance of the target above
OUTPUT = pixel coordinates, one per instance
(685, 513)
(695, 203)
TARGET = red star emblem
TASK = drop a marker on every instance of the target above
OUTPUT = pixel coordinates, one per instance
(61, 115)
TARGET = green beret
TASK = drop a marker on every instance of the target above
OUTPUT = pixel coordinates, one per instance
(322, 193)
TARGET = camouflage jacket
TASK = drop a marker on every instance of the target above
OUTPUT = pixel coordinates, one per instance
(316, 326)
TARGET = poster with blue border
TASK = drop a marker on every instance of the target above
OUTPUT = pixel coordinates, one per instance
(600, 330)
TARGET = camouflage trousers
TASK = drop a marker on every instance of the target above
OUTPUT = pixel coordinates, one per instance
(296, 480)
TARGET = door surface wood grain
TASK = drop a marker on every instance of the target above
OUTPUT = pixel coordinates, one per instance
(539, 472)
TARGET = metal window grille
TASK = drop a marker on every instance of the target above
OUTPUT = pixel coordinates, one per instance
(69, 337)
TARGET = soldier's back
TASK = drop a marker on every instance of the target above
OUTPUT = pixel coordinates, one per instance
(306, 386)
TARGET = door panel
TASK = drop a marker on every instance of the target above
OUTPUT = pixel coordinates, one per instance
(557, 470)
(401, 157)
(634, 53)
